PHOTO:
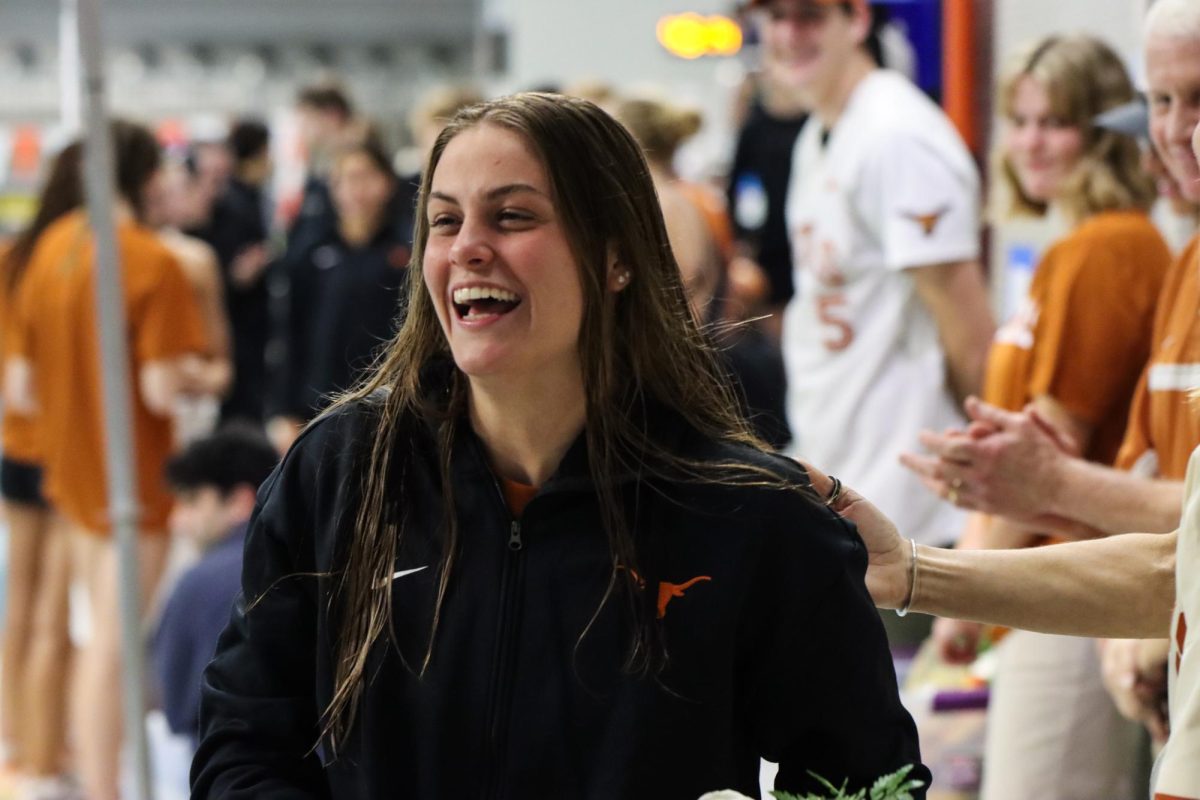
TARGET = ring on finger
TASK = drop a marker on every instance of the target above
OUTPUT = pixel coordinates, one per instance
(834, 493)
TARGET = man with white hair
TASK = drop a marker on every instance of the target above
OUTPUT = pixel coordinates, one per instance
(1013, 464)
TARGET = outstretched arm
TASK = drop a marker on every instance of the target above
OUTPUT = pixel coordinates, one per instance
(1121, 586)
(1118, 587)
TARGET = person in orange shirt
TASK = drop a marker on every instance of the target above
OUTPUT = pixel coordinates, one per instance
(661, 128)
(175, 208)
(55, 368)
(1075, 350)
(37, 646)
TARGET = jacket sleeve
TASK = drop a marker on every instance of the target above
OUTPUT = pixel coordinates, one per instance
(823, 692)
(259, 714)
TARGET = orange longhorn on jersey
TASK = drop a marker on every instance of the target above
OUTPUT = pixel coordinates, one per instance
(667, 591)
(928, 222)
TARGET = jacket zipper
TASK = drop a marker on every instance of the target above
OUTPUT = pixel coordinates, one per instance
(501, 704)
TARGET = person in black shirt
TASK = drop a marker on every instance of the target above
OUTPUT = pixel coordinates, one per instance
(237, 230)
(343, 292)
(325, 117)
(762, 165)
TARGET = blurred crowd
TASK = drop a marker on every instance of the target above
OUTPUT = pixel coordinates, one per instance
(837, 267)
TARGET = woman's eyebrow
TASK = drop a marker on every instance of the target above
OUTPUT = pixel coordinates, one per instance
(513, 188)
(492, 194)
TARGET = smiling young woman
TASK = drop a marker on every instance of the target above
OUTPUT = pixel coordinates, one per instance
(537, 553)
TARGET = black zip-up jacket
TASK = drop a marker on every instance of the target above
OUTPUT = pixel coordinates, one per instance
(775, 648)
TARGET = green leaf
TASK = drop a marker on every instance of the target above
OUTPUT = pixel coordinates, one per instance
(889, 787)
(894, 787)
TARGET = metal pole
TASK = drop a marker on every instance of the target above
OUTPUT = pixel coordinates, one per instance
(114, 358)
(70, 70)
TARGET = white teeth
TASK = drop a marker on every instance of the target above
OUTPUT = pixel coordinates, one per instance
(464, 296)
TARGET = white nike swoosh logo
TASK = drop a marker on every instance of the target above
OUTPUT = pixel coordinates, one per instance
(403, 572)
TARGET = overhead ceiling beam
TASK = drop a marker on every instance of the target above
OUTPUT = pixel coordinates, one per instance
(237, 21)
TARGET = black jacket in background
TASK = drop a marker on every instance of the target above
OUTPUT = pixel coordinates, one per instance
(775, 647)
(237, 222)
(762, 162)
(341, 305)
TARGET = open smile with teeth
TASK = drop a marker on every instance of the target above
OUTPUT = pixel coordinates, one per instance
(477, 302)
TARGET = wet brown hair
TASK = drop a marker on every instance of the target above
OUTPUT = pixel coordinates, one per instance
(635, 345)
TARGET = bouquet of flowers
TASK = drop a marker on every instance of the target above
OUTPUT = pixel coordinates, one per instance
(897, 786)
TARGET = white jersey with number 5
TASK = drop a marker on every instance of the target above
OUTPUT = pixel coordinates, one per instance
(890, 188)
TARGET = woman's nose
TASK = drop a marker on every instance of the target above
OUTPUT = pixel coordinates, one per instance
(472, 247)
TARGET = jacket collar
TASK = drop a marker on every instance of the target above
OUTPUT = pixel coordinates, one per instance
(662, 427)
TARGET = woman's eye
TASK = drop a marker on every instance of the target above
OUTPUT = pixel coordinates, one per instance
(508, 215)
(442, 221)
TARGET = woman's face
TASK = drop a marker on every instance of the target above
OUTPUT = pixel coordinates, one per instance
(1042, 148)
(173, 197)
(497, 264)
(359, 188)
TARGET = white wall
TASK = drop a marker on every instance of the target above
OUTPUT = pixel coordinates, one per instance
(563, 41)
(614, 40)
(1118, 22)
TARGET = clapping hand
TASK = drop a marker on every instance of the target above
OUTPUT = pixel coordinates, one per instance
(1005, 463)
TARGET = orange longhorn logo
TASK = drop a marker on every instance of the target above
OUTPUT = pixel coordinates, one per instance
(668, 591)
(928, 222)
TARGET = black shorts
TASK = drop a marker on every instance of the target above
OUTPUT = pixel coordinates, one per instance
(21, 482)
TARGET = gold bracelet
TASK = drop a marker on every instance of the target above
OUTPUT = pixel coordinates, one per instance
(912, 582)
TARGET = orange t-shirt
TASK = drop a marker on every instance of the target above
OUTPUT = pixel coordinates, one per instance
(56, 330)
(712, 207)
(1082, 336)
(1164, 425)
(18, 432)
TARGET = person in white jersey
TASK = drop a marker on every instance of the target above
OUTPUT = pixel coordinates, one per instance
(890, 325)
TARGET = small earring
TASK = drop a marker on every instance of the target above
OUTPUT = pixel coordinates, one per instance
(623, 278)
